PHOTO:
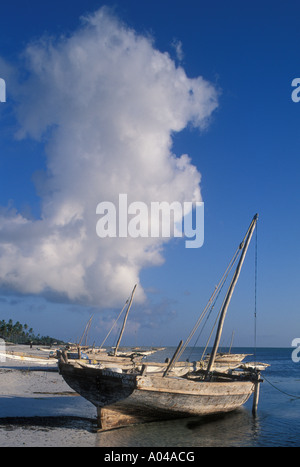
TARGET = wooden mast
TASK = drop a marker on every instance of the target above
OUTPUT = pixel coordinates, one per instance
(243, 246)
(125, 319)
(173, 359)
(86, 330)
(231, 342)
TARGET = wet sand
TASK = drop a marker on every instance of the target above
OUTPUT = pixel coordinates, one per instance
(37, 407)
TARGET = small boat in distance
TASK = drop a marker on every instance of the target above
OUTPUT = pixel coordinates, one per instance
(125, 395)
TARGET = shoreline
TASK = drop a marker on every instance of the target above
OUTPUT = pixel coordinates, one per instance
(30, 390)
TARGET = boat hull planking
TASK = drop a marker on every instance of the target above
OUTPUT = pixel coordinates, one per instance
(123, 399)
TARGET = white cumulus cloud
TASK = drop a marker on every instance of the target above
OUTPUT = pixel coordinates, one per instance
(106, 102)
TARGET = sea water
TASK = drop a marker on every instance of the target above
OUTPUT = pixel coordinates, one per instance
(70, 421)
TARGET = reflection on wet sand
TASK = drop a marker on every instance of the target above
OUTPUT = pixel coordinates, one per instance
(237, 428)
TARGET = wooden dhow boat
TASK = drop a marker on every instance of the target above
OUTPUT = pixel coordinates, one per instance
(125, 395)
(27, 358)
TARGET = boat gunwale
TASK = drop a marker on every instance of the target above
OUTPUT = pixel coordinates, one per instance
(156, 383)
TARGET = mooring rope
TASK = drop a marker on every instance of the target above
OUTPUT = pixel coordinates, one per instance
(280, 390)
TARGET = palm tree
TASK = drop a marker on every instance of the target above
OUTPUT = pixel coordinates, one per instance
(9, 328)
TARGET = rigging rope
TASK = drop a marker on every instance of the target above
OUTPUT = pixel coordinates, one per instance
(255, 323)
(209, 312)
(115, 322)
(211, 303)
(255, 296)
(212, 299)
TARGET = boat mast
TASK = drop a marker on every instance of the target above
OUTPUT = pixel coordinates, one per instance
(86, 331)
(125, 319)
(243, 246)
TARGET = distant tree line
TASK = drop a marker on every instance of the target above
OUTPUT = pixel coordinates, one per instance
(18, 333)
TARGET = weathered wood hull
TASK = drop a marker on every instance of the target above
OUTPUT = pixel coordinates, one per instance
(122, 399)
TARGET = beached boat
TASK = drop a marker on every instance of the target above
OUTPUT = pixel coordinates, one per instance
(137, 394)
(37, 360)
(124, 398)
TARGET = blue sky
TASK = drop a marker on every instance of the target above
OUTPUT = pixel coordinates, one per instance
(247, 155)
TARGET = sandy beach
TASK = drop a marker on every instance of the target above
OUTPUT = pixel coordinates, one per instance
(36, 405)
